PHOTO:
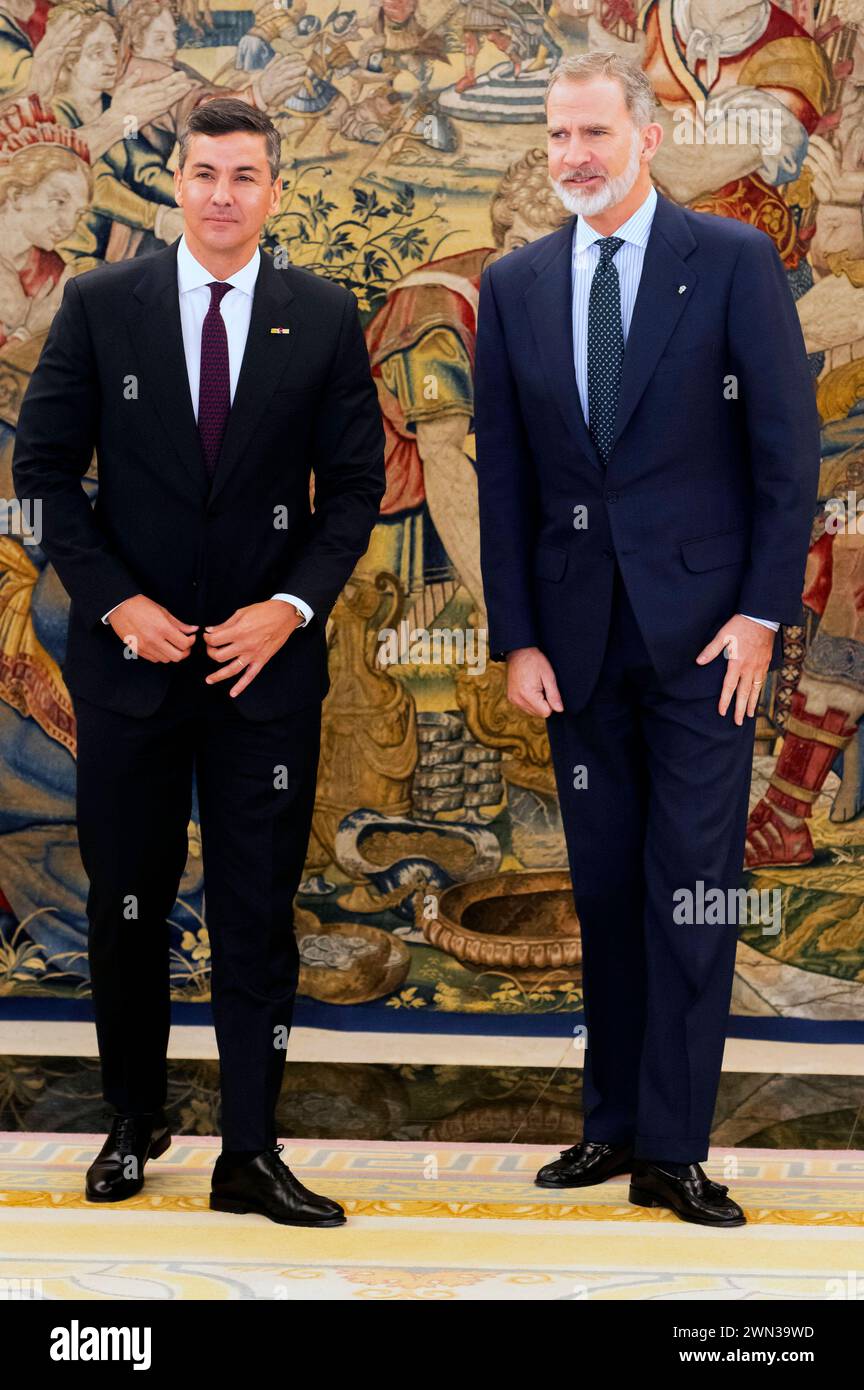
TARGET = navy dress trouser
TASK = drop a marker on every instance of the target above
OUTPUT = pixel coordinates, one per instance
(663, 805)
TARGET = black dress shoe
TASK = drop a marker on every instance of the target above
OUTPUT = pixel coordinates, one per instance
(693, 1197)
(586, 1163)
(266, 1186)
(117, 1172)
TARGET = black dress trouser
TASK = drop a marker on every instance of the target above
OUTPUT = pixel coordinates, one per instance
(256, 791)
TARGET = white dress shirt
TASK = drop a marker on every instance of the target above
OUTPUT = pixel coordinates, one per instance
(628, 262)
(236, 309)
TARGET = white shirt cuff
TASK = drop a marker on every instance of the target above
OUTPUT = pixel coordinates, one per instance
(764, 622)
(304, 607)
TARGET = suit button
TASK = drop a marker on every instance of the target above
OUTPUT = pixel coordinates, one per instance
(194, 583)
(608, 554)
(611, 496)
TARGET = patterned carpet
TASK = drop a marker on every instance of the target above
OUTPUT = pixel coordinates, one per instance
(445, 1222)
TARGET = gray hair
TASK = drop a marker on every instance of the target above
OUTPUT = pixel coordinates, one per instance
(639, 96)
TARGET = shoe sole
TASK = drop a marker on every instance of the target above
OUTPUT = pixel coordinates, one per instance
(157, 1151)
(233, 1204)
(640, 1198)
(586, 1182)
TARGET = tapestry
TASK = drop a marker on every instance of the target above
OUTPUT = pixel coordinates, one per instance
(413, 155)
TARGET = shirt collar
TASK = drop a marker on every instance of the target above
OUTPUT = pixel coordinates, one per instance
(636, 229)
(191, 274)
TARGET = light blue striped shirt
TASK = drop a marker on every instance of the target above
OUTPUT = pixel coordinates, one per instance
(628, 262)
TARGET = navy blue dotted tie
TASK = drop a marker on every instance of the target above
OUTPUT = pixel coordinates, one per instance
(605, 347)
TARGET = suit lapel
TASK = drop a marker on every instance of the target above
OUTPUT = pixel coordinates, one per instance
(550, 308)
(660, 302)
(265, 362)
(154, 319)
(658, 307)
(155, 322)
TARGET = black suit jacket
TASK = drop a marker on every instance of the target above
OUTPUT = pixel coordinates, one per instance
(112, 376)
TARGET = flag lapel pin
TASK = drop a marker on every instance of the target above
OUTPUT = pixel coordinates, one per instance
(280, 330)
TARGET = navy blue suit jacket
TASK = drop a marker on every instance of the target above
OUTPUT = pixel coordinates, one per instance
(708, 497)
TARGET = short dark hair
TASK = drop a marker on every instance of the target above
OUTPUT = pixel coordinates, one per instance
(222, 116)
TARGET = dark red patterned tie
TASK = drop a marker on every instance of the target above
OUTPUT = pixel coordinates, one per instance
(214, 391)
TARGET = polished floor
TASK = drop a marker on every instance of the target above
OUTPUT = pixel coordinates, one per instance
(463, 1089)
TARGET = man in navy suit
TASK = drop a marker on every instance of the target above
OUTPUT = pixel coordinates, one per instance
(647, 456)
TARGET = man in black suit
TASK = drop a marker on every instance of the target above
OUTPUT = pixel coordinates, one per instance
(211, 384)
(648, 460)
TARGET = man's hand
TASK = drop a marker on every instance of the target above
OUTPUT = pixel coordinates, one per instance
(749, 646)
(151, 630)
(531, 683)
(248, 639)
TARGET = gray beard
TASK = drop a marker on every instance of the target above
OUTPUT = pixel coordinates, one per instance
(613, 190)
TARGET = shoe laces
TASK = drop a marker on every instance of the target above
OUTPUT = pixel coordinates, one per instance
(274, 1151)
(126, 1133)
(281, 1169)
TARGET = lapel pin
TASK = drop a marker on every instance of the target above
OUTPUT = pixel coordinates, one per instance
(681, 289)
(280, 330)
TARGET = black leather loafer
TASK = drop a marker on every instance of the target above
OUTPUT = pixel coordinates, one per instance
(694, 1197)
(586, 1163)
(265, 1185)
(117, 1172)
